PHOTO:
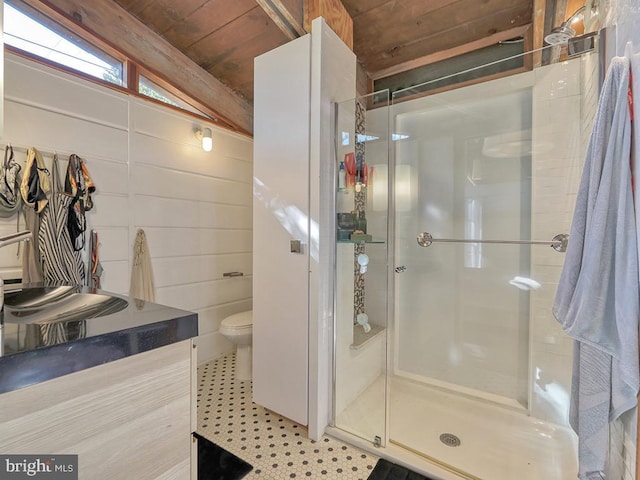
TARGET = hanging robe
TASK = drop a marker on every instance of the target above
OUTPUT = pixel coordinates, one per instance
(61, 263)
(142, 287)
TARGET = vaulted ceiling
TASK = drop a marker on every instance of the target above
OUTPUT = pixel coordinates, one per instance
(391, 38)
(224, 36)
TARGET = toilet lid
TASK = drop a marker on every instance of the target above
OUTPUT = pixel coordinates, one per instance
(242, 319)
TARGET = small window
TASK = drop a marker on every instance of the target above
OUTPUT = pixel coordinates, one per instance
(151, 89)
(31, 32)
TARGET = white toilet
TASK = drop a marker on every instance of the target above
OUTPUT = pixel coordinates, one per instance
(238, 328)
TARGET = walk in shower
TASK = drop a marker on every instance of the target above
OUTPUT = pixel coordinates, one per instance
(467, 193)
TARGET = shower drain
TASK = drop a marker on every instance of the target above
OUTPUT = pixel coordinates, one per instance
(450, 440)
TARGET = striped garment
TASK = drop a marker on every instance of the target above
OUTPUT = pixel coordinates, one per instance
(61, 264)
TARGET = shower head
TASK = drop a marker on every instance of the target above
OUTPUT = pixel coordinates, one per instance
(561, 35)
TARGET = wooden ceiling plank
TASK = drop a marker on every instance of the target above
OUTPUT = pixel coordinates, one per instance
(358, 7)
(458, 34)
(282, 18)
(134, 6)
(389, 24)
(395, 28)
(161, 15)
(111, 22)
(254, 30)
(335, 15)
(207, 19)
(450, 53)
(228, 53)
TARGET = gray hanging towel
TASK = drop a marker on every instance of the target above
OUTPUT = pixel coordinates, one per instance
(95, 268)
(61, 263)
(10, 181)
(142, 287)
(31, 265)
(597, 300)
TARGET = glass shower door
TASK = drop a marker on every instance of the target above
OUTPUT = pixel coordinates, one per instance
(361, 307)
(480, 370)
(461, 321)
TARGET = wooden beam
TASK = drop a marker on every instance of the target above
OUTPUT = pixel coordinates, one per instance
(528, 47)
(281, 16)
(110, 22)
(452, 52)
(334, 13)
(560, 14)
(364, 83)
(538, 31)
(132, 76)
(555, 14)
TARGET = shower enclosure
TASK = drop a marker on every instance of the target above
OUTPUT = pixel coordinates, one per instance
(467, 197)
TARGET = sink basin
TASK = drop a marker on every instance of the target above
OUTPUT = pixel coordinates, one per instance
(58, 304)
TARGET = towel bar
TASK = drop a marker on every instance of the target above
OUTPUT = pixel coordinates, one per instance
(559, 242)
(233, 274)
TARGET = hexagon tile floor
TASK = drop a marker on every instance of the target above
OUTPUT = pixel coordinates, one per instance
(277, 448)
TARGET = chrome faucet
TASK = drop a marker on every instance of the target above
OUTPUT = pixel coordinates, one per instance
(4, 241)
(9, 240)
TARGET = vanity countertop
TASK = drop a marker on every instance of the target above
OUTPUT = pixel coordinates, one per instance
(34, 353)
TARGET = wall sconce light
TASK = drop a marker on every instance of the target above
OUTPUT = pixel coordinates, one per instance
(204, 135)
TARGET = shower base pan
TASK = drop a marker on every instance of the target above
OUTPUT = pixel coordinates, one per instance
(494, 442)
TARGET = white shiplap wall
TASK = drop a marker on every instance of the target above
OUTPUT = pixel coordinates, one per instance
(150, 172)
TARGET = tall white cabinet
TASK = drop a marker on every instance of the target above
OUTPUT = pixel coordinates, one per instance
(281, 216)
(293, 222)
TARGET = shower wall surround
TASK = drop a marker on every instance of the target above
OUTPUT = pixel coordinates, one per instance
(151, 173)
(620, 12)
(558, 118)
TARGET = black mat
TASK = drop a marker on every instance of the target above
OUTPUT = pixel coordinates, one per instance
(215, 463)
(385, 470)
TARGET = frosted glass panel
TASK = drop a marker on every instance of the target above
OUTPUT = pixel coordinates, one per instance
(460, 320)
(361, 346)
